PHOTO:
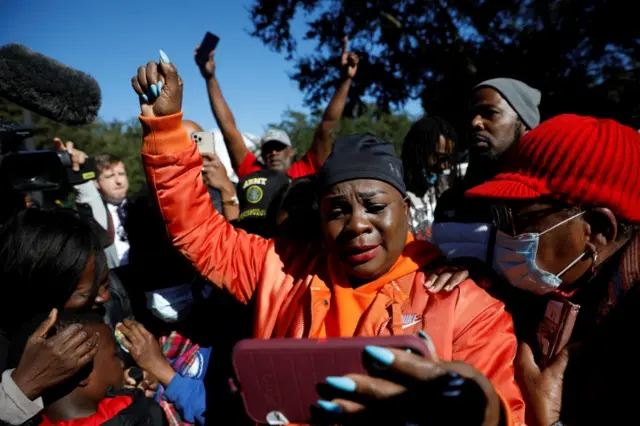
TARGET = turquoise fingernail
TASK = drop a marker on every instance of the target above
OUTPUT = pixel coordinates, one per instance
(145, 98)
(331, 407)
(160, 86)
(456, 382)
(154, 90)
(423, 335)
(163, 57)
(342, 383)
(382, 355)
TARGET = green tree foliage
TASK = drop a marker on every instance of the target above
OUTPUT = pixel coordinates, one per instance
(582, 55)
(123, 139)
(386, 126)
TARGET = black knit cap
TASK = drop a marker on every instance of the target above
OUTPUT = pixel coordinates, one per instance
(362, 156)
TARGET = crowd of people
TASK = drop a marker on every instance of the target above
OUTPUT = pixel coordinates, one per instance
(515, 262)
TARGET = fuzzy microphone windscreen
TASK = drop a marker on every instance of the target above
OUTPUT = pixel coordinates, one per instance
(48, 87)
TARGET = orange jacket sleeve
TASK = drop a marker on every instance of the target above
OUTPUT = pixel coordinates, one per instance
(484, 337)
(229, 258)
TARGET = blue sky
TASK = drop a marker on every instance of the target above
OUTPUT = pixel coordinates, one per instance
(110, 39)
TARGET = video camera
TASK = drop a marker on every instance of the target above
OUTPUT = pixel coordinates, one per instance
(29, 171)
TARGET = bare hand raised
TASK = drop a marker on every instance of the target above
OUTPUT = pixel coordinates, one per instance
(159, 88)
(214, 172)
(209, 67)
(348, 60)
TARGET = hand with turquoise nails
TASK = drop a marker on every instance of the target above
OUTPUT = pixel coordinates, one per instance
(159, 88)
(404, 388)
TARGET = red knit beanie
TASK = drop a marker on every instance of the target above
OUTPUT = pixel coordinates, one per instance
(579, 160)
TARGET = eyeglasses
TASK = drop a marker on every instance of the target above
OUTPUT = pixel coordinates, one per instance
(515, 224)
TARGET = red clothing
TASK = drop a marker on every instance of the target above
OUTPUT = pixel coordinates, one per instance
(107, 409)
(307, 165)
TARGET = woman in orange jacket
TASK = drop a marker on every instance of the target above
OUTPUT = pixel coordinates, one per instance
(366, 279)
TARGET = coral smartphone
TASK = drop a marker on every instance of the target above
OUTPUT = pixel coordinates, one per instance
(277, 378)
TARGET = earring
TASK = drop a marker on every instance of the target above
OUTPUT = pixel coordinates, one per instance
(594, 257)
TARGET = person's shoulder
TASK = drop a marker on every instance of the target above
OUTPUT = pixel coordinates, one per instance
(133, 408)
(305, 166)
(473, 300)
(298, 258)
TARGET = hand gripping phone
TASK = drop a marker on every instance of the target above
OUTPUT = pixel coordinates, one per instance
(277, 378)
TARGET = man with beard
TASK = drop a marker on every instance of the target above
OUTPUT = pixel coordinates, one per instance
(501, 111)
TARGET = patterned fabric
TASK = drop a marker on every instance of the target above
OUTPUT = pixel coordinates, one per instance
(422, 210)
(181, 354)
(421, 214)
(626, 276)
(121, 213)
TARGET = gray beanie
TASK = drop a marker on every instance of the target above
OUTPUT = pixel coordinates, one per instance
(523, 98)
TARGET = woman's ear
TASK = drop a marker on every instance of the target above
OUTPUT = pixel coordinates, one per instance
(604, 226)
(407, 206)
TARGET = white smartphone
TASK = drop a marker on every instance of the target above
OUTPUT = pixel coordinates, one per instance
(205, 141)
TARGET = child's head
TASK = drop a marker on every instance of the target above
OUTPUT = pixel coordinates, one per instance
(107, 368)
(89, 386)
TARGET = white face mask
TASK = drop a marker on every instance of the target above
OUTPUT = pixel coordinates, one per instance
(173, 304)
(515, 259)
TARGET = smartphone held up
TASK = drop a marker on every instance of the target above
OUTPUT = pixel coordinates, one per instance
(208, 45)
(205, 142)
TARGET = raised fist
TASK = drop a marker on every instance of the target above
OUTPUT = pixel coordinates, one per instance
(159, 88)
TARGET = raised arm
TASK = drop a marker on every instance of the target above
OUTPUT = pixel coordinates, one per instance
(323, 140)
(224, 117)
(228, 258)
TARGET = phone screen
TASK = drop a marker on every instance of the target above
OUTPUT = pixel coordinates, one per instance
(209, 43)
